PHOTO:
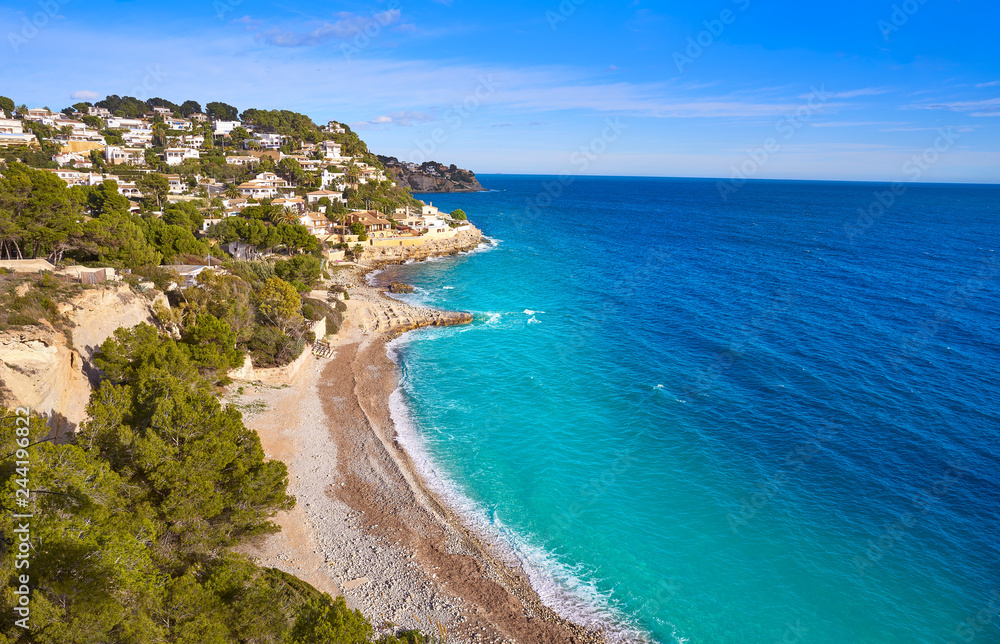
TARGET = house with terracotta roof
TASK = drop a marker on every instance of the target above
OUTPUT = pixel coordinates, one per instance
(316, 224)
(375, 225)
(256, 190)
(316, 195)
(297, 204)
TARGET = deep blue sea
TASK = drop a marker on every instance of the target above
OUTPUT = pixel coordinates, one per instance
(755, 420)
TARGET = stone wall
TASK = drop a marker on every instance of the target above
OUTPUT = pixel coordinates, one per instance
(279, 375)
(463, 240)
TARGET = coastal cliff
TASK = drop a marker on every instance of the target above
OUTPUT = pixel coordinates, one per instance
(49, 371)
(431, 176)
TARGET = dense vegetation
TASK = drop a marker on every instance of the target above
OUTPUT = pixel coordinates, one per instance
(134, 523)
(41, 217)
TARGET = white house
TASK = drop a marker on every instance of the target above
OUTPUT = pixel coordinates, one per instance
(177, 156)
(270, 179)
(225, 127)
(307, 164)
(71, 177)
(78, 160)
(129, 190)
(330, 149)
(241, 160)
(38, 114)
(165, 111)
(316, 195)
(290, 203)
(11, 126)
(177, 184)
(130, 156)
(335, 127)
(192, 141)
(177, 124)
(102, 112)
(270, 140)
(328, 179)
(316, 224)
(138, 138)
(255, 190)
(119, 123)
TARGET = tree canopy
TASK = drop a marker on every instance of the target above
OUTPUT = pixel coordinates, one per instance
(221, 111)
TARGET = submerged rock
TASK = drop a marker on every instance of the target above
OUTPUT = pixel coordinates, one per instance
(400, 287)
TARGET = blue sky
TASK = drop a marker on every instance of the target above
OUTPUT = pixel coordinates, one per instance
(847, 90)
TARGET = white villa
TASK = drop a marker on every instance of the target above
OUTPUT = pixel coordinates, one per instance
(177, 156)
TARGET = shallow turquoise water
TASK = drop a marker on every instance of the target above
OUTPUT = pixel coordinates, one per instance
(726, 421)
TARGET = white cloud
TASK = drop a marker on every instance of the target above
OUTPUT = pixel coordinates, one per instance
(991, 105)
(85, 95)
(853, 123)
(348, 25)
(403, 119)
(854, 93)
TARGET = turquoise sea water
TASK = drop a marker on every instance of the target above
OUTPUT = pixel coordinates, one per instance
(754, 420)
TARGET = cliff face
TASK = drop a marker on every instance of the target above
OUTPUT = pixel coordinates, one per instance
(50, 373)
(431, 176)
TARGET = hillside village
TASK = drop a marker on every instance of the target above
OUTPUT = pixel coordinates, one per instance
(273, 167)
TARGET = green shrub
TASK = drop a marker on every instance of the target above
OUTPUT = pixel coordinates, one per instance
(20, 319)
(314, 310)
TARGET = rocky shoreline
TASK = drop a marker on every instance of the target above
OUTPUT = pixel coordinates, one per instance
(365, 521)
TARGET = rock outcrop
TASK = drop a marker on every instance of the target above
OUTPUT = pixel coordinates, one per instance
(431, 176)
(400, 287)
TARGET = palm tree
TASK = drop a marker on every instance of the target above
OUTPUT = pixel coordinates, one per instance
(352, 173)
(232, 192)
(160, 133)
